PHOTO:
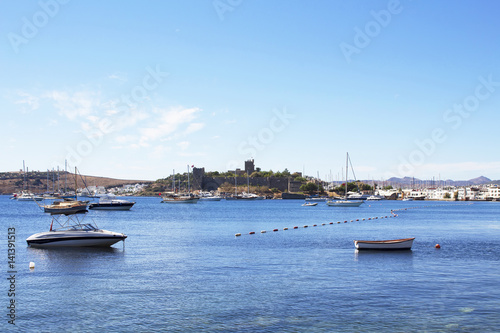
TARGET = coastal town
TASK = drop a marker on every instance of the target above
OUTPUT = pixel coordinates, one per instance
(250, 179)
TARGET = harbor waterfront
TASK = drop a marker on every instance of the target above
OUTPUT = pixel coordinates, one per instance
(182, 269)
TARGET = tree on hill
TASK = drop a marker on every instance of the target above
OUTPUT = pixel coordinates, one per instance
(309, 187)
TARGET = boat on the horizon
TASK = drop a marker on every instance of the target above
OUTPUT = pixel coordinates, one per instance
(25, 196)
(345, 202)
(176, 198)
(74, 233)
(391, 244)
(68, 206)
(208, 196)
(110, 202)
(310, 204)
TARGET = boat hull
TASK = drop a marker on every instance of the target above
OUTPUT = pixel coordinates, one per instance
(111, 206)
(392, 244)
(180, 201)
(76, 238)
(344, 203)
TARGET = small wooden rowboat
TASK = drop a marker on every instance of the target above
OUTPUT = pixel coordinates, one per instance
(392, 244)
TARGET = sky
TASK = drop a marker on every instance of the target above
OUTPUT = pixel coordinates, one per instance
(137, 89)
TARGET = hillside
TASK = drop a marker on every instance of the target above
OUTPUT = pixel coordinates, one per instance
(409, 180)
(11, 182)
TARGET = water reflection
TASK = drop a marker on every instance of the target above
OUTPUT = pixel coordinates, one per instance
(371, 255)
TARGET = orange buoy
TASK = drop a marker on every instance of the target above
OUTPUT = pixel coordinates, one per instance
(295, 227)
(251, 233)
(437, 246)
(238, 234)
(285, 228)
(331, 222)
(275, 229)
(305, 226)
(314, 225)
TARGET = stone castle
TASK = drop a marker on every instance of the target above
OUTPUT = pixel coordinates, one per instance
(205, 183)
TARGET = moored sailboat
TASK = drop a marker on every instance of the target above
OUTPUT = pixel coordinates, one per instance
(344, 202)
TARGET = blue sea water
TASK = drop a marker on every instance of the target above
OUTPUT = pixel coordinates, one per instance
(182, 269)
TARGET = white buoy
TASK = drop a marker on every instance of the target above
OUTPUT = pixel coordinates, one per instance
(32, 265)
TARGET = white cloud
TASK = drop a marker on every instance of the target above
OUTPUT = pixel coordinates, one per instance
(194, 127)
(73, 105)
(183, 145)
(31, 102)
(169, 121)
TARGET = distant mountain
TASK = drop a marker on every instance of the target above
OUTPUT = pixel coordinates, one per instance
(479, 180)
(410, 180)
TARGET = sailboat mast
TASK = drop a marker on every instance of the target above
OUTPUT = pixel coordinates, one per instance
(76, 185)
(248, 183)
(65, 176)
(24, 176)
(189, 184)
(173, 180)
(346, 173)
(235, 186)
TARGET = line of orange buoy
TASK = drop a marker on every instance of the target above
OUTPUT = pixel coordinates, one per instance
(393, 214)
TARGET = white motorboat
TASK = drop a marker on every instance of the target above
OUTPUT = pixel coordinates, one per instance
(207, 196)
(307, 204)
(317, 199)
(392, 244)
(345, 202)
(74, 233)
(407, 199)
(374, 198)
(175, 198)
(109, 202)
(28, 197)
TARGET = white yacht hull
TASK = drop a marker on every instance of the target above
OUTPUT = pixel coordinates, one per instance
(344, 203)
(180, 201)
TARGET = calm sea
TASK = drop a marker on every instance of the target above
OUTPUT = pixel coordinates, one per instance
(183, 270)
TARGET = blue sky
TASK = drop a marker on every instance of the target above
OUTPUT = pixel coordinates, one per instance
(136, 89)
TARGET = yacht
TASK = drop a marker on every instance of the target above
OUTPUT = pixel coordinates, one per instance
(345, 202)
(74, 233)
(208, 196)
(68, 206)
(175, 198)
(109, 202)
(28, 197)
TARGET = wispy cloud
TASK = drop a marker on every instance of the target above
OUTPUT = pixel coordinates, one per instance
(30, 102)
(74, 105)
(121, 77)
(183, 145)
(167, 122)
